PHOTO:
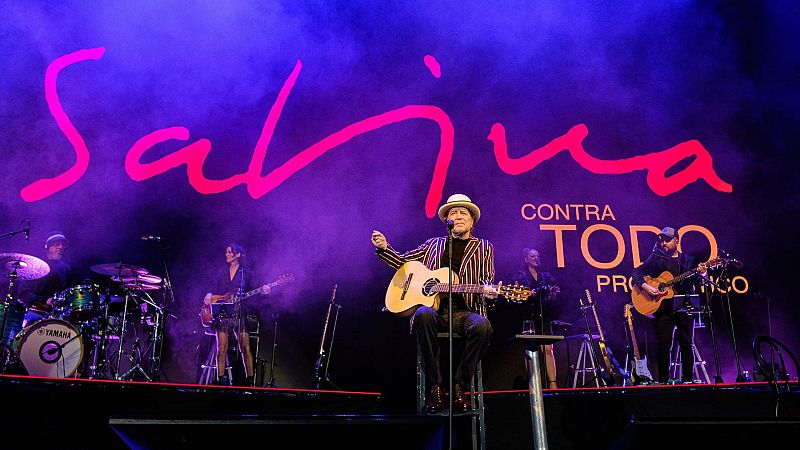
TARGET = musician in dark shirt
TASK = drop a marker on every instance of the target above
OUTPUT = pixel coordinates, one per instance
(671, 313)
(37, 295)
(234, 279)
(540, 307)
(473, 262)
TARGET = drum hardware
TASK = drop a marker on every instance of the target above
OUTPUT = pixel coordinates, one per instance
(136, 359)
(23, 267)
(119, 270)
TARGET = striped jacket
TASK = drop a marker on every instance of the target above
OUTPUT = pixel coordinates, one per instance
(477, 265)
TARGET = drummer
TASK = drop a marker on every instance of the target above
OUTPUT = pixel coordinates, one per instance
(37, 295)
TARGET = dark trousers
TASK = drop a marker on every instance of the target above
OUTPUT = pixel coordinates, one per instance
(477, 332)
(683, 324)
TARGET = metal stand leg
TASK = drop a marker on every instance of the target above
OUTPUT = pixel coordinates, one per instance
(675, 361)
(536, 399)
(581, 366)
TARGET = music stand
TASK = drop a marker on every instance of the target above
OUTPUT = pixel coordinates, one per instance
(532, 343)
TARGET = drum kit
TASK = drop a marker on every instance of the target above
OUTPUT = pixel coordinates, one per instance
(85, 331)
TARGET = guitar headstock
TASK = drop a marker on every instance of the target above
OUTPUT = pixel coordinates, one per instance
(588, 296)
(285, 279)
(627, 313)
(515, 292)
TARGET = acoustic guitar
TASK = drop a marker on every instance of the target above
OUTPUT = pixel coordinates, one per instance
(640, 371)
(647, 305)
(234, 298)
(414, 285)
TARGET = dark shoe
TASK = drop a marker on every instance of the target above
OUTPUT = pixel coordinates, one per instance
(460, 401)
(250, 381)
(435, 401)
(223, 381)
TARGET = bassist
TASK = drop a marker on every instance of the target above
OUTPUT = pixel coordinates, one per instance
(231, 320)
(671, 313)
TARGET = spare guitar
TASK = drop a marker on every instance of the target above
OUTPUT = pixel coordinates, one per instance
(414, 285)
(605, 372)
(647, 305)
(640, 372)
(233, 297)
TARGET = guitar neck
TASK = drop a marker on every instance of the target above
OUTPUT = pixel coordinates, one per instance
(459, 288)
(690, 273)
(633, 337)
(596, 318)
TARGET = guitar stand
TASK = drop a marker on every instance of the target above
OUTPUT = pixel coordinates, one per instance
(590, 340)
(581, 367)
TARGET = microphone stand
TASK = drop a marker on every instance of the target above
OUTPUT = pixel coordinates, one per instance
(707, 283)
(271, 383)
(241, 325)
(169, 294)
(741, 377)
(450, 226)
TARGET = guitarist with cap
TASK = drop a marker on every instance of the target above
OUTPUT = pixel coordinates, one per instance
(667, 258)
(228, 282)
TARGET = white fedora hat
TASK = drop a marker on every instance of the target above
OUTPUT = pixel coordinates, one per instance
(459, 200)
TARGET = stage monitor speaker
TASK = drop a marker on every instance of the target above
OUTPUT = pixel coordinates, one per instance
(351, 432)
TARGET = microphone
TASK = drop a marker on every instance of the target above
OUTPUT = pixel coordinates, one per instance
(28, 231)
(733, 260)
(450, 224)
(147, 237)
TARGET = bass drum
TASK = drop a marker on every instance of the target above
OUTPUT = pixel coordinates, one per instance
(49, 348)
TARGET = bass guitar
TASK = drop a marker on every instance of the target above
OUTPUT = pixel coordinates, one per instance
(640, 372)
(414, 285)
(234, 298)
(605, 372)
(647, 305)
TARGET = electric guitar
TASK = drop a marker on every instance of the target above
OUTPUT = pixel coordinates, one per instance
(641, 374)
(647, 305)
(414, 285)
(605, 372)
(233, 297)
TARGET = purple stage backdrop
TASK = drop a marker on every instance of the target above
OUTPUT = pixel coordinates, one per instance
(297, 127)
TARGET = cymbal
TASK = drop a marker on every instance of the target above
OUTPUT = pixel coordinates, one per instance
(146, 278)
(119, 270)
(27, 267)
(142, 286)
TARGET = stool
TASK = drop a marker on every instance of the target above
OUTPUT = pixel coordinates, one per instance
(581, 367)
(475, 395)
(208, 371)
(675, 359)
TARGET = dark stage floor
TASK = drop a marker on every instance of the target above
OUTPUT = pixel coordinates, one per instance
(87, 414)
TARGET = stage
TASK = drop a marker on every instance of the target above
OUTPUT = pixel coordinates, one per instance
(77, 413)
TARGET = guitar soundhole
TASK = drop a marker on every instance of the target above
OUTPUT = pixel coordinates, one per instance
(427, 287)
(662, 287)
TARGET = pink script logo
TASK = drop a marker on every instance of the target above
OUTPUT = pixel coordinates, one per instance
(194, 154)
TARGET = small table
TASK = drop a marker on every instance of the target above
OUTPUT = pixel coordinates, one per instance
(532, 342)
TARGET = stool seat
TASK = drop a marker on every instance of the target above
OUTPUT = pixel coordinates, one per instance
(475, 394)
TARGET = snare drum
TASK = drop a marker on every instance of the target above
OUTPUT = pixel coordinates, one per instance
(80, 303)
(49, 348)
(13, 314)
(33, 315)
